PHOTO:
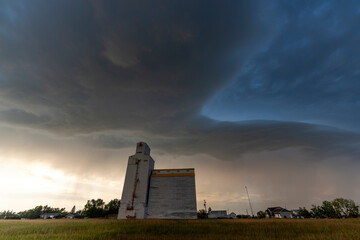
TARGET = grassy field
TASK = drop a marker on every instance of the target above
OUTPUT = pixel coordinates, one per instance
(181, 229)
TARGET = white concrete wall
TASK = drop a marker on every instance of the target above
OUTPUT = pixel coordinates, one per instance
(172, 194)
(165, 193)
(145, 164)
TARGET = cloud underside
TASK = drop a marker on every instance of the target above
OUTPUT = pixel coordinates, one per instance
(109, 74)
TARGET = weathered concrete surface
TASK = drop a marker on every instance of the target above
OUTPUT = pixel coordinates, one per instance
(149, 193)
(172, 194)
(135, 192)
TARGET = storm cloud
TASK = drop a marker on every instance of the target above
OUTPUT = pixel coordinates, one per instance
(307, 73)
(230, 80)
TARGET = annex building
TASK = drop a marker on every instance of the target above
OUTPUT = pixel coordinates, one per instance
(156, 193)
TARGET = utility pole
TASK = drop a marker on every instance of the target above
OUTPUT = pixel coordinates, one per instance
(252, 213)
(205, 206)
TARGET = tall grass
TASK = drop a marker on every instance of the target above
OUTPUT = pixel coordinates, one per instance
(181, 229)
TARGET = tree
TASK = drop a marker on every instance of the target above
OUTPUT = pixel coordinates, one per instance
(73, 210)
(260, 214)
(94, 208)
(38, 210)
(201, 214)
(9, 215)
(328, 210)
(316, 212)
(345, 208)
(112, 207)
(338, 208)
(303, 212)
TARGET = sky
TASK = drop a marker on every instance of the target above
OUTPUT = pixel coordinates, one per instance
(263, 94)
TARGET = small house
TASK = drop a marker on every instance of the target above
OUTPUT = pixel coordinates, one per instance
(278, 212)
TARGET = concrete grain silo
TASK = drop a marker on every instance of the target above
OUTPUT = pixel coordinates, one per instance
(156, 193)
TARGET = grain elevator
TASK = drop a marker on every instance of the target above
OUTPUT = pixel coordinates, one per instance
(156, 193)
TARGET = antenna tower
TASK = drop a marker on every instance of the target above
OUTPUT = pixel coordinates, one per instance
(252, 213)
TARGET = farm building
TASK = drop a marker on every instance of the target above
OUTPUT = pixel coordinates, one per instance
(217, 214)
(156, 193)
(220, 214)
(278, 212)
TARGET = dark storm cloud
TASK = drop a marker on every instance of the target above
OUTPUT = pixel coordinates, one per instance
(230, 141)
(17, 116)
(117, 64)
(86, 67)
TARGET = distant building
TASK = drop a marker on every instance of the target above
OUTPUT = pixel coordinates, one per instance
(218, 214)
(50, 215)
(232, 215)
(296, 213)
(278, 212)
(74, 216)
(156, 193)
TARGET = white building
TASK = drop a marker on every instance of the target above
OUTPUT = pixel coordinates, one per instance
(161, 193)
(278, 212)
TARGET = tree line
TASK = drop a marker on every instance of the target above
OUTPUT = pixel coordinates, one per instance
(92, 209)
(337, 208)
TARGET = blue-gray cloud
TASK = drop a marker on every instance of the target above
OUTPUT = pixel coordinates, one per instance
(309, 72)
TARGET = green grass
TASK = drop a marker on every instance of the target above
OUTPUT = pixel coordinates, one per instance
(181, 229)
